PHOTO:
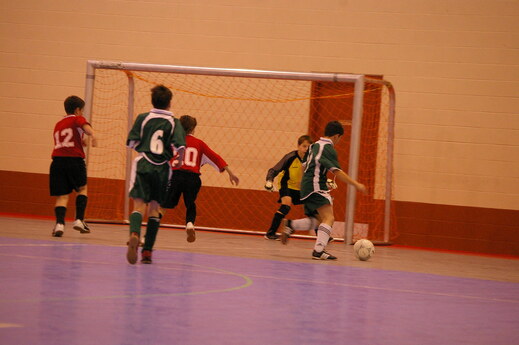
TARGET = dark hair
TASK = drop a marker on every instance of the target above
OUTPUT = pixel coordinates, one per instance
(332, 128)
(304, 138)
(72, 103)
(188, 122)
(161, 97)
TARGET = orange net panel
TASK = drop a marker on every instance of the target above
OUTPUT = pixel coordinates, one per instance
(252, 123)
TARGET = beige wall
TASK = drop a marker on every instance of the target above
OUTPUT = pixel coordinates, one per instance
(454, 65)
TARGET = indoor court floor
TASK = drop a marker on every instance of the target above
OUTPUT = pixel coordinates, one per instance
(242, 289)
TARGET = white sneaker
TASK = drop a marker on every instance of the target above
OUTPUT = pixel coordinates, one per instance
(58, 230)
(81, 226)
(190, 230)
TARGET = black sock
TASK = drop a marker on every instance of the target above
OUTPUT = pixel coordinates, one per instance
(152, 228)
(60, 212)
(278, 217)
(81, 204)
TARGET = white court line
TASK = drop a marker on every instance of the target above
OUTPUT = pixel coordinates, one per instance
(417, 292)
(43, 245)
(10, 325)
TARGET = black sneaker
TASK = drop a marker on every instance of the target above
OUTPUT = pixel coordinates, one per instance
(287, 231)
(323, 256)
(146, 257)
(274, 237)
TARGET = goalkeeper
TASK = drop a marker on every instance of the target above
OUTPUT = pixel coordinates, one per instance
(289, 171)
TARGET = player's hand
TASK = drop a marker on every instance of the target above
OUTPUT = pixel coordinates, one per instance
(93, 141)
(331, 184)
(176, 163)
(268, 186)
(362, 188)
(234, 180)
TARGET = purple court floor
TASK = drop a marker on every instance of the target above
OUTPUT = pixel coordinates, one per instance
(72, 293)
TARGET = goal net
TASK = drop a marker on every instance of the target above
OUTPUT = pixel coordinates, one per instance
(252, 119)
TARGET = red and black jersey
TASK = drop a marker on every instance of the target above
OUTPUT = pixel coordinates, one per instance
(68, 137)
(197, 154)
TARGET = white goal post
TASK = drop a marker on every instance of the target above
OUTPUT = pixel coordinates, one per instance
(240, 79)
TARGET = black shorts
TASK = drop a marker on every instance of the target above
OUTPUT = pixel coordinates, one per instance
(184, 183)
(67, 174)
(294, 194)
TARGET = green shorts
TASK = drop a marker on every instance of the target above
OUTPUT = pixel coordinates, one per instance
(315, 201)
(149, 181)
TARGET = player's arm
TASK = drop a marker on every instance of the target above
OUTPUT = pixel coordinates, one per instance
(178, 143)
(329, 160)
(90, 132)
(341, 175)
(214, 159)
(233, 178)
(134, 136)
(275, 170)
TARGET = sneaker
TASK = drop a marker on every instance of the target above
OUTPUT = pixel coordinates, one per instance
(274, 237)
(323, 256)
(81, 226)
(190, 230)
(141, 242)
(133, 245)
(58, 230)
(146, 257)
(287, 231)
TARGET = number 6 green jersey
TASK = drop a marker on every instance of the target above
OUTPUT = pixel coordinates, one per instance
(154, 134)
(320, 158)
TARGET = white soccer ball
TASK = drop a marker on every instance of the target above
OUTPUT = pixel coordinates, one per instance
(363, 249)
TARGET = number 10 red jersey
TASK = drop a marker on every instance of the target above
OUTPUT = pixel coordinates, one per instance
(197, 154)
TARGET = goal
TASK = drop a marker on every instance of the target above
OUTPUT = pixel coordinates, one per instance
(252, 118)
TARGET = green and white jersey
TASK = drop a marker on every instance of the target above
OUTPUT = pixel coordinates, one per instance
(154, 135)
(320, 158)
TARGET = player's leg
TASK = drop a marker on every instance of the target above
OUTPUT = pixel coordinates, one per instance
(152, 229)
(324, 231)
(139, 209)
(158, 180)
(60, 210)
(81, 204)
(284, 208)
(190, 193)
(60, 188)
(76, 178)
(173, 192)
(302, 224)
(140, 193)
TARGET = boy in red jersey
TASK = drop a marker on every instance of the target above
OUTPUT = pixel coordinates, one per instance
(68, 169)
(186, 178)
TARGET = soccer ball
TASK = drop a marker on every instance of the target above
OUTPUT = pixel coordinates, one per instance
(363, 249)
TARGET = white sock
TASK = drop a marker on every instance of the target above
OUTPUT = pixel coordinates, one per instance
(323, 235)
(308, 223)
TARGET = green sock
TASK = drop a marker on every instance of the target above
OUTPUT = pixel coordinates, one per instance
(152, 228)
(135, 222)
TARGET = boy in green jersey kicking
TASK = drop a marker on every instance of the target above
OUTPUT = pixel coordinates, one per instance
(320, 158)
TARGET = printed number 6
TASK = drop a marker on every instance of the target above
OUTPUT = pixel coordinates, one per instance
(156, 144)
